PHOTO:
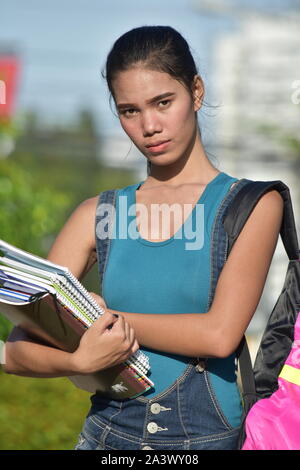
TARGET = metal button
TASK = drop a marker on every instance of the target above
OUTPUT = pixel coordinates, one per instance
(200, 366)
(155, 408)
(152, 428)
(147, 448)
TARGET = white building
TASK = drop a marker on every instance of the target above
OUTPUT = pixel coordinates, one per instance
(256, 82)
(117, 151)
(255, 78)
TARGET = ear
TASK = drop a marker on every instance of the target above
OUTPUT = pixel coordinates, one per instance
(198, 92)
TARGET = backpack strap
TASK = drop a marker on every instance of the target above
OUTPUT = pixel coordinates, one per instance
(235, 218)
(105, 209)
(242, 206)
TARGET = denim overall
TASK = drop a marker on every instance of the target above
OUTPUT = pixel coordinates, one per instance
(185, 416)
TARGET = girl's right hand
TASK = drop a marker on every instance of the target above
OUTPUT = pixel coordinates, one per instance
(109, 341)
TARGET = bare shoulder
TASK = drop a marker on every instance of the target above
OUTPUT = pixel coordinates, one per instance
(272, 200)
(266, 217)
(88, 206)
(83, 217)
(75, 244)
(260, 232)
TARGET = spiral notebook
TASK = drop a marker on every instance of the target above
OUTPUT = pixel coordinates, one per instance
(46, 300)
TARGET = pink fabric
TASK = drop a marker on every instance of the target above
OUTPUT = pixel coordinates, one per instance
(274, 423)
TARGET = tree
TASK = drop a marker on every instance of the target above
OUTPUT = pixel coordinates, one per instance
(29, 213)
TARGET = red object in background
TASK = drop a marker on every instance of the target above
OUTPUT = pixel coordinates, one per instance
(9, 67)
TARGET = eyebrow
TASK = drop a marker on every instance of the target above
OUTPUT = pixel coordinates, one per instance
(152, 100)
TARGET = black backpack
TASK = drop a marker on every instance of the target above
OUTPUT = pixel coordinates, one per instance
(261, 380)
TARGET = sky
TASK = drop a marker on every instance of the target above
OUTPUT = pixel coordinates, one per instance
(62, 46)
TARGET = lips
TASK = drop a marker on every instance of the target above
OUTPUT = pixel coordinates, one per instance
(157, 146)
(154, 144)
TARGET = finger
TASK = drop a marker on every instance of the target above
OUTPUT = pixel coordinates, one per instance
(105, 320)
(127, 330)
(120, 323)
(135, 346)
(131, 336)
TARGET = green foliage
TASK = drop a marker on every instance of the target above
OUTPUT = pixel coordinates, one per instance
(40, 414)
(29, 211)
(9, 128)
(41, 182)
(5, 328)
(26, 214)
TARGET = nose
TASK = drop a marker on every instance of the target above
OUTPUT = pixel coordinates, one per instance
(150, 123)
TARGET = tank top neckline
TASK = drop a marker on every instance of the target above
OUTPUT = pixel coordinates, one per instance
(144, 241)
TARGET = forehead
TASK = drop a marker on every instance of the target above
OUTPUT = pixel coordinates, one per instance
(141, 83)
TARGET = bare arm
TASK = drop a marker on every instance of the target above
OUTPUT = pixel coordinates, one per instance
(100, 347)
(218, 332)
(27, 357)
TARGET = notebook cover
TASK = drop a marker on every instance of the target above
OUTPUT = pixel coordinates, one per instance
(47, 319)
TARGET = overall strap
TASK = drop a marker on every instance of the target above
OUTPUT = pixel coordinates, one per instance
(219, 239)
(105, 217)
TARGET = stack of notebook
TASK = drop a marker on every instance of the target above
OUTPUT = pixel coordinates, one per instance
(47, 301)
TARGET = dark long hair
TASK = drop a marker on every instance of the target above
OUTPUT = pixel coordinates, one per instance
(159, 48)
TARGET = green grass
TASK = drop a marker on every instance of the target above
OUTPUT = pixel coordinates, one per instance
(40, 414)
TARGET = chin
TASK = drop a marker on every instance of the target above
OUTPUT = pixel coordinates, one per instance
(164, 159)
(159, 160)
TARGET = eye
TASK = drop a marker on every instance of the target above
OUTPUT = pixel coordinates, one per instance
(164, 102)
(128, 112)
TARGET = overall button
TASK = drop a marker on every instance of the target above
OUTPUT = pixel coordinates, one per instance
(200, 366)
(152, 428)
(155, 408)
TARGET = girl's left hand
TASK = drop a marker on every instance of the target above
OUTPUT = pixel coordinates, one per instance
(100, 301)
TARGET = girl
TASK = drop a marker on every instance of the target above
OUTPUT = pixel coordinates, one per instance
(156, 279)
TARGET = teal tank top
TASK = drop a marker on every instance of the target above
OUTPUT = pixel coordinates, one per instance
(168, 277)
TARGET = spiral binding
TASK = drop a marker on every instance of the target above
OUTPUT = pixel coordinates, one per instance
(82, 296)
(70, 306)
(92, 310)
(88, 296)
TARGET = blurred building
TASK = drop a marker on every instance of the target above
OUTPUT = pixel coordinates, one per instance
(255, 70)
(117, 151)
(255, 74)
